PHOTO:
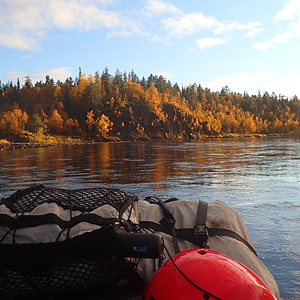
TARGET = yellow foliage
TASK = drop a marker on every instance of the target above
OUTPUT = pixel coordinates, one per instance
(152, 96)
(133, 90)
(78, 90)
(249, 125)
(13, 122)
(103, 126)
(90, 119)
(91, 79)
(55, 122)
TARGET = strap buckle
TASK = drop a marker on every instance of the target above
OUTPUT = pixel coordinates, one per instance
(201, 234)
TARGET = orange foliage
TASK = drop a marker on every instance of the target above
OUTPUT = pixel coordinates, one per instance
(90, 119)
(55, 122)
(103, 126)
(134, 91)
(13, 122)
(128, 107)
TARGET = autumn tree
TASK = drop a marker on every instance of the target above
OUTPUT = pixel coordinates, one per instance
(134, 91)
(249, 125)
(103, 126)
(12, 123)
(90, 119)
(152, 107)
(72, 126)
(152, 96)
(55, 122)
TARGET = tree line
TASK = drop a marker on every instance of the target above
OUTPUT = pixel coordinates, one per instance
(126, 107)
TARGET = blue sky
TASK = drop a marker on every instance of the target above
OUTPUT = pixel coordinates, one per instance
(246, 45)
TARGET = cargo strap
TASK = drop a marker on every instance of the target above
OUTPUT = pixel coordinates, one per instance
(200, 230)
(168, 221)
(200, 233)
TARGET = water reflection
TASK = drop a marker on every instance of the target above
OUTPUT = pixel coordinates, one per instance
(258, 177)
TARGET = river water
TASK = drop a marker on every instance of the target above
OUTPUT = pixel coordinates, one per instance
(259, 177)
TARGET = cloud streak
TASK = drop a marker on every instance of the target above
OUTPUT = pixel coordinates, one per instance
(238, 80)
(290, 12)
(187, 24)
(280, 38)
(60, 73)
(23, 24)
(156, 7)
(209, 42)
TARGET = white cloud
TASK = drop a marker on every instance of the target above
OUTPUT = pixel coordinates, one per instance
(106, 2)
(156, 7)
(24, 23)
(252, 82)
(18, 41)
(85, 16)
(13, 76)
(263, 45)
(155, 38)
(288, 86)
(239, 80)
(60, 73)
(209, 42)
(165, 74)
(251, 28)
(290, 11)
(254, 31)
(187, 24)
(190, 23)
(280, 38)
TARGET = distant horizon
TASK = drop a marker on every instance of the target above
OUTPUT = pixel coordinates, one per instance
(248, 46)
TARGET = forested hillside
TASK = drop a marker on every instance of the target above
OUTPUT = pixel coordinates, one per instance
(126, 107)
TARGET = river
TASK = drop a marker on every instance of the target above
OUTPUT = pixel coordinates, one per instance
(259, 177)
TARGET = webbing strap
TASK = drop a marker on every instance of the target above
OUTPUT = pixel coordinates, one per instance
(230, 233)
(188, 234)
(32, 221)
(168, 221)
(202, 213)
(200, 231)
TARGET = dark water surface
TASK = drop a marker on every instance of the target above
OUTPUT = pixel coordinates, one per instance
(260, 178)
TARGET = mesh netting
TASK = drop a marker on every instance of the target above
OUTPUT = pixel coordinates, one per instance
(66, 269)
(80, 199)
(67, 276)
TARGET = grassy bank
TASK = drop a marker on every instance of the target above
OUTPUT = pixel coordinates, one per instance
(30, 140)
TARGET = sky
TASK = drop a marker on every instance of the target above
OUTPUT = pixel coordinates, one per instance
(250, 46)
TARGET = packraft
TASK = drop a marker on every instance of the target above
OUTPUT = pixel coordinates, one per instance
(105, 242)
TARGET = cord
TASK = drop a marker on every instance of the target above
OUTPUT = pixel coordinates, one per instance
(188, 279)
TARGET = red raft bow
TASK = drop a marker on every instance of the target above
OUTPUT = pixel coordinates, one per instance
(205, 274)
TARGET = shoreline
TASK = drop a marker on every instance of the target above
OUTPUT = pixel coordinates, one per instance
(28, 145)
(32, 144)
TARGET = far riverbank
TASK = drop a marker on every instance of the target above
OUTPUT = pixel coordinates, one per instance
(64, 141)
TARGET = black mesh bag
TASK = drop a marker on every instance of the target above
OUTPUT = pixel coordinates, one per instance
(56, 241)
